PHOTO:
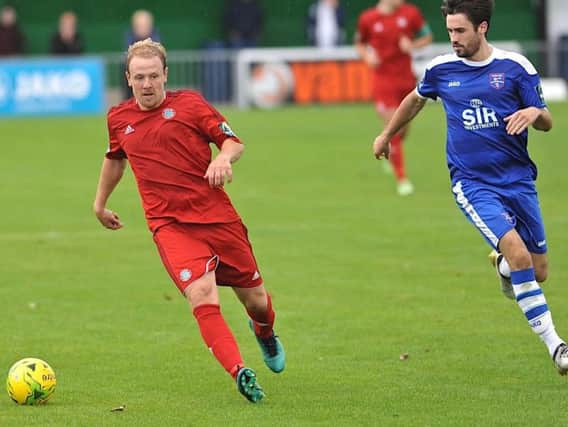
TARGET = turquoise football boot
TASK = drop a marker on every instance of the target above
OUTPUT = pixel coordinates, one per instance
(272, 351)
(248, 386)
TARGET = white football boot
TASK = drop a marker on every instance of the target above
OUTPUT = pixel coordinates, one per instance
(560, 359)
(405, 188)
(506, 284)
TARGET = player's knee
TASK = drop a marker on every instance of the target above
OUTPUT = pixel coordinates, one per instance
(203, 291)
(256, 300)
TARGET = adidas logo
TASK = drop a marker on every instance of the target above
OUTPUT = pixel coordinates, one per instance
(129, 129)
(256, 275)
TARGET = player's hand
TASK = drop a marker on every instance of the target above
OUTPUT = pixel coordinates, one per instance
(371, 58)
(219, 171)
(109, 219)
(405, 44)
(519, 121)
(381, 147)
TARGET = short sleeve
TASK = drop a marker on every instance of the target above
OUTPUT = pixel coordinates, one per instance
(212, 123)
(427, 87)
(530, 91)
(418, 24)
(114, 150)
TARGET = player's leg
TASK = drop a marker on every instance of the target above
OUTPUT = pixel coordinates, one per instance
(530, 297)
(191, 265)
(540, 263)
(204, 299)
(530, 227)
(503, 273)
(525, 204)
(258, 304)
(238, 268)
(485, 208)
(396, 157)
(388, 95)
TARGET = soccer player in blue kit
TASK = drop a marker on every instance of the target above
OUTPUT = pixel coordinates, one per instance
(491, 97)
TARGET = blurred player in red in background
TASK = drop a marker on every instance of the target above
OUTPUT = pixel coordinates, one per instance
(386, 36)
(166, 136)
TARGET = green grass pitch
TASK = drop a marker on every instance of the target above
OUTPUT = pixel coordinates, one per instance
(359, 276)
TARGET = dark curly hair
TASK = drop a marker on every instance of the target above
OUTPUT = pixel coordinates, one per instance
(477, 11)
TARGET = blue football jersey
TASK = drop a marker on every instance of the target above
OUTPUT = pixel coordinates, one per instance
(477, 96)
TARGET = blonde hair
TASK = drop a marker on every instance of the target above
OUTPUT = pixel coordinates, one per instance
(146, 48)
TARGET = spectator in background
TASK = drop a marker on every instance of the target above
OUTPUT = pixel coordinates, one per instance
(141, 28)
(12, 39)
(325, 25)
(67, 41)
(243, 21)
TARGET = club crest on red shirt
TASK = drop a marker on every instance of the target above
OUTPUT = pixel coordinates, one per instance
(497, 80)
(185, 275)
(168, 113)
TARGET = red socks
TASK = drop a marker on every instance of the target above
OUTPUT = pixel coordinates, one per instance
(218, 337)
(263, 322)
(397, 157)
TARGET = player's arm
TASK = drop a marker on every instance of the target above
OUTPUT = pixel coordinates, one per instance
(407, 45)
(407, 110)
(366, 53)
(422, 33)
(538, 118)
(111, 173)
(543, 121)
(422, 41)
(220, 170)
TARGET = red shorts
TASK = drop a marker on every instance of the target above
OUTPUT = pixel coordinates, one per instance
(189, 251)
(388, 93)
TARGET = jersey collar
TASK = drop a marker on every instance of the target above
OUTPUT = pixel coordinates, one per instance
(155, 108)
(484, 62)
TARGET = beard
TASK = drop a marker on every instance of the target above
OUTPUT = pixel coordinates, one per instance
(468, 51)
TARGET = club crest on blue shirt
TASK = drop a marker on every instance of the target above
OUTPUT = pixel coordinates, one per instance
(226, 129)
(168, 113)
(497, 80)
(508, 217)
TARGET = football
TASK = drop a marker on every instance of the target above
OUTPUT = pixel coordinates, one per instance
(30, 382)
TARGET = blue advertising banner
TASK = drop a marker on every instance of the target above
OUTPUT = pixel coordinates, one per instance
(52, 86)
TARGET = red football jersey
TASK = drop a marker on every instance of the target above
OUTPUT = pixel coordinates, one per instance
(168, 150)
(383, 33)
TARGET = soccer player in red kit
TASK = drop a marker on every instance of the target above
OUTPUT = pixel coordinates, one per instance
(165, 137)
(386, 36)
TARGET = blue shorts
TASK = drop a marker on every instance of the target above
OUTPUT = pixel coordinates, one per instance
(496, 211)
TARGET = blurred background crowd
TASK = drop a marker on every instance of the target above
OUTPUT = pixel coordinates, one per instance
(241, 23)
(203, 36)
